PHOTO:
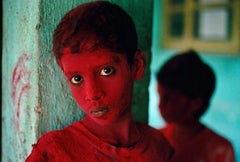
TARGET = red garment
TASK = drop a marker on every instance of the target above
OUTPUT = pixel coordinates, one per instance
(77, 144)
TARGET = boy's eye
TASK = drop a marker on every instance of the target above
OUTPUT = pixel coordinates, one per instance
(76, 79)
(107, 71)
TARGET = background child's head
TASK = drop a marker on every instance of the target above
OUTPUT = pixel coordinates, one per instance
(96, 25)
(187, 74)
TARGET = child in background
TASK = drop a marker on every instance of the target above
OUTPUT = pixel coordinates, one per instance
(96, 46)
(185, 87)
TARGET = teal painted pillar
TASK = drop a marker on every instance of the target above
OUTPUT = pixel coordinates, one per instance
(20, 90)
(36, 98)
(58, 108)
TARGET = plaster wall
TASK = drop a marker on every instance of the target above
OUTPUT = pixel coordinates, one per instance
(19, 63)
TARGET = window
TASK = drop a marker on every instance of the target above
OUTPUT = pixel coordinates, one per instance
(205, 25)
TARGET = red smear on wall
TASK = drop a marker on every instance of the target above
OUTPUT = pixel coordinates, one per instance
(20, 85)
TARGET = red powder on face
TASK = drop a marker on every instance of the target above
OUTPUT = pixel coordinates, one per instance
(105, 90)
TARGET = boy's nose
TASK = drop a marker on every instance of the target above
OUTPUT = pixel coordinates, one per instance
(94, 92)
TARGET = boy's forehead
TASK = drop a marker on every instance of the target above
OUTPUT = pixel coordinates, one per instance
(100, 55)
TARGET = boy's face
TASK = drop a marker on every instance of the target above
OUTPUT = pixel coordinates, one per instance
(102, 83)
(175, 107)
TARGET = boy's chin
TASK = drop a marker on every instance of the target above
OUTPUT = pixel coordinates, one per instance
(104, 121)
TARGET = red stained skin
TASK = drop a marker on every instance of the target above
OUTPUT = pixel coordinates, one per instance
(97, 92)
(20, 85)
(106, 98)
(191, 140)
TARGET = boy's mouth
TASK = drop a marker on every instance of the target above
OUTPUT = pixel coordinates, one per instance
(100, 111)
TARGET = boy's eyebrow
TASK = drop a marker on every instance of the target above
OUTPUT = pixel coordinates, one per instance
(116, 59)
(70, 73)
(110, 60)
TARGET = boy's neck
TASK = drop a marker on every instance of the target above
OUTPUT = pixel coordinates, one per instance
(121, 134)
(186, 131)
(181, 135)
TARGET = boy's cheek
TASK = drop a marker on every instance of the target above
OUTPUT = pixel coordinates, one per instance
(77, 94)
(80, 100)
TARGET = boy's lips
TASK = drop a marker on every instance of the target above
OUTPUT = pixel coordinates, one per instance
(99, 111)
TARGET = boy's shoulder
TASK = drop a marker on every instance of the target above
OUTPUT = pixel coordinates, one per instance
(207, 135)
(216, 139)
(51, 139)
(151, 131)
(157, 139)
(64, 143)
(74, 131)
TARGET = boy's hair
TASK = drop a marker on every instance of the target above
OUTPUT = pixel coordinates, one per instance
(96, 25)
(189, 75)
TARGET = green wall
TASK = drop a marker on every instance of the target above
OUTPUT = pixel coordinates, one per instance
(223, 114)
(36, 98)
(20, 53)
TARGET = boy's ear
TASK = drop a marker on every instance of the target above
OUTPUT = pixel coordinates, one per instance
(138, 65)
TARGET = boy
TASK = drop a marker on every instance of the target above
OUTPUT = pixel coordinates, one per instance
(185, 86)
(95, 45)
